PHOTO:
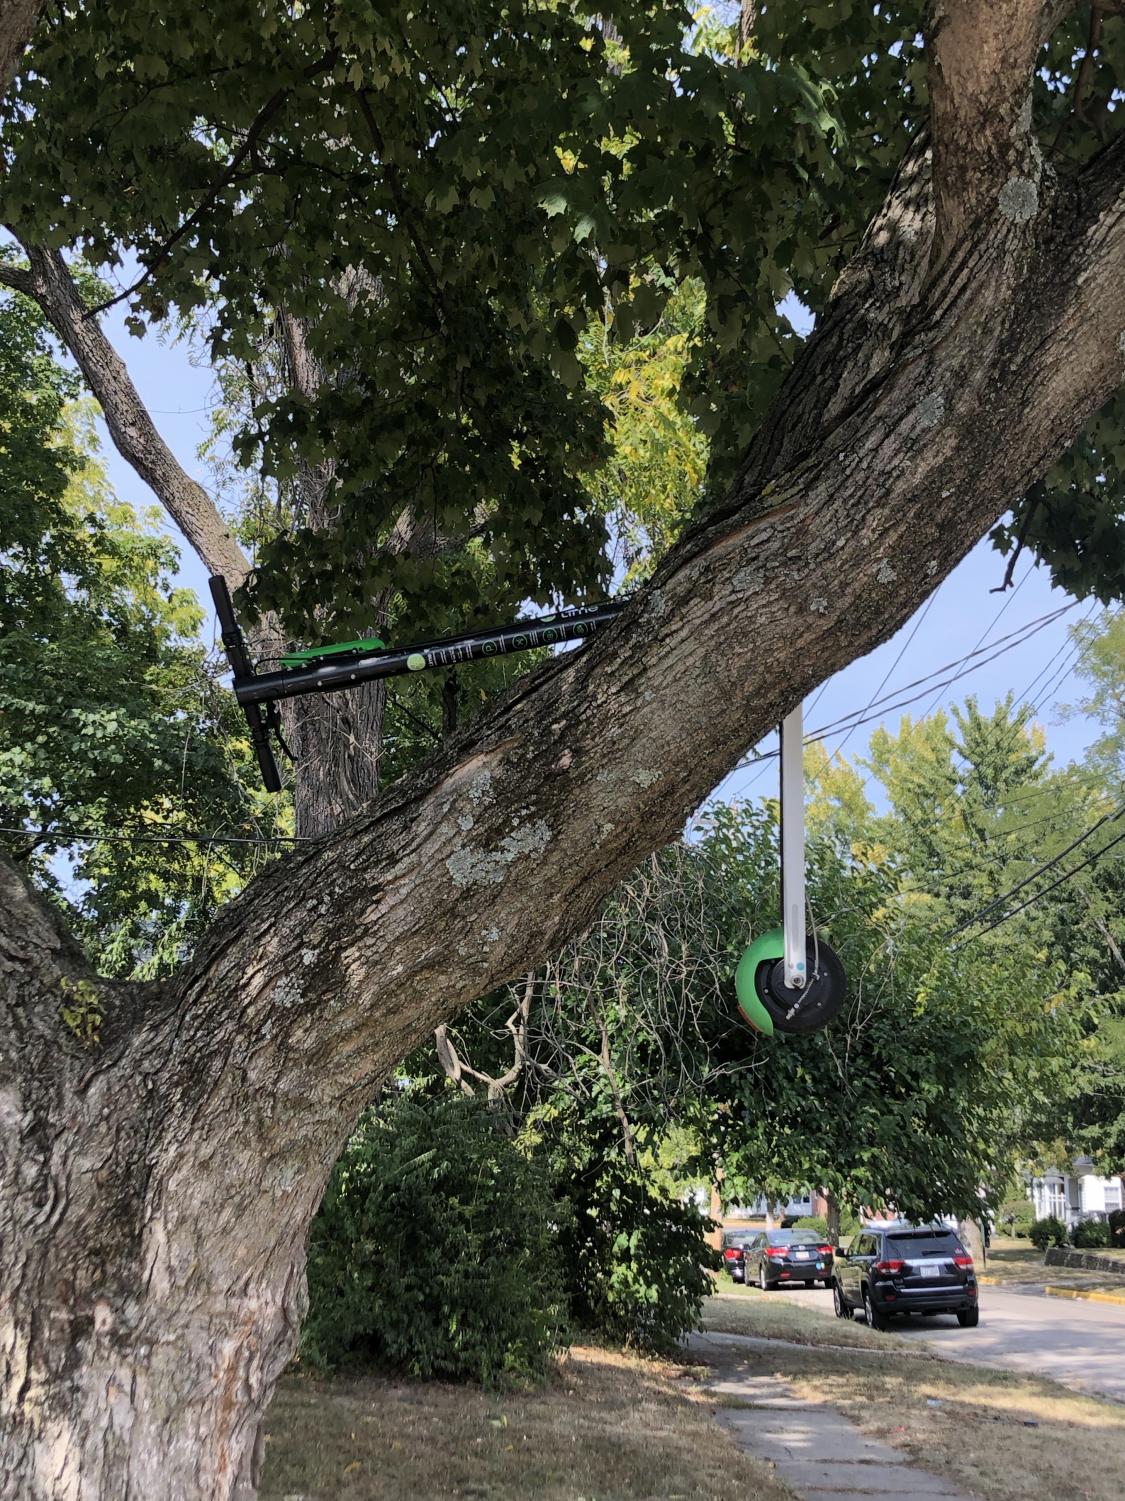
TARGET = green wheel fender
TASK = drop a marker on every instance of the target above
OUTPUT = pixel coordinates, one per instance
(311, 653)
(766, 948)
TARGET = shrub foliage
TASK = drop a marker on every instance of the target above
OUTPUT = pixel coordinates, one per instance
(432, 1252)
(1048, 1232)
(1092, 1235)
(635, 1262)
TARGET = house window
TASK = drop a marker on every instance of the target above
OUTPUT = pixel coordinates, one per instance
(1055, 1200)
(1112, 1196)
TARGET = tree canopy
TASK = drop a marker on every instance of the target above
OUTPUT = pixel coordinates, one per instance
(338, 186)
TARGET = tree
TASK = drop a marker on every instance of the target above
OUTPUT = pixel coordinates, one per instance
(935, 1078)
(158, 1187)
(112, 723)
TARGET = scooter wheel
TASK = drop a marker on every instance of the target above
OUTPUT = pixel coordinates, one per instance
(811, 1006)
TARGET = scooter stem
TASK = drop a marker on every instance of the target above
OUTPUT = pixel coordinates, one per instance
(793, 845)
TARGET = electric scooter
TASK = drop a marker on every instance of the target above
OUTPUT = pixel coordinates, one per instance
(785, 981)
(789, 980)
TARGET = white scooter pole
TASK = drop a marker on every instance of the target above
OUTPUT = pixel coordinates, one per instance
(793, 846)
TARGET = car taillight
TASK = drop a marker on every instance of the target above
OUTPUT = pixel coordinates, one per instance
(965, 1261)
(825, 1250)
(776, 1253)
(889, 1268)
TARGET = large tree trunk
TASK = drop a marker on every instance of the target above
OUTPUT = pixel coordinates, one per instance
(159, 1182)
(152, 1233)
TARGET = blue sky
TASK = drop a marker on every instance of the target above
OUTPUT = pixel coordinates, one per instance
(962, 612)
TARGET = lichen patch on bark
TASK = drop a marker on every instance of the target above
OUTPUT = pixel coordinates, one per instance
(1019, 199)
(476, 867)
(931, 409)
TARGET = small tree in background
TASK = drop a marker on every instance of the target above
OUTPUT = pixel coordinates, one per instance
(634, 1261)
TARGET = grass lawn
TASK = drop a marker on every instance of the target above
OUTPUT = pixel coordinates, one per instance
(779, 1315)
(1011, 1260)
(608, 1427)
(965, 1422)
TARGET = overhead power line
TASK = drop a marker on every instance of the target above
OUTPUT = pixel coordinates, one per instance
(93, 836)
(883, 707)
(983, 637)
(890, 671)
(1001, 901)
(1061, 881)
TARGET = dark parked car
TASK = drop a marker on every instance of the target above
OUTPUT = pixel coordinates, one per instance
(774, 1258)
(898, 1269)
(733, 1242)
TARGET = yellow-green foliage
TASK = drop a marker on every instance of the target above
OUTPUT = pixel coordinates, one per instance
(82, 1011)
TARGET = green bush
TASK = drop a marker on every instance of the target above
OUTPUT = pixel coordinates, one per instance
(432, 1252)
(815, 1222)
(1047, 1232)
(635, 1262)
(1091, 1235)
(1015, 1217)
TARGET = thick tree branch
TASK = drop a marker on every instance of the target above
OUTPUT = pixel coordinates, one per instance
(986, 159)
(18, 19)
(51, 285)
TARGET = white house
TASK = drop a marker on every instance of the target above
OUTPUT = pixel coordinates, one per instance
(1076, 1194)
(802, 1207)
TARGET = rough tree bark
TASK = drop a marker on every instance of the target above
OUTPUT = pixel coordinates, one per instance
(18, 19)
(158, 1186)
(832, 1207)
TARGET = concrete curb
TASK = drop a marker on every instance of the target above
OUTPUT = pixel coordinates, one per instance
(1050, 1291)
(1078, 1292)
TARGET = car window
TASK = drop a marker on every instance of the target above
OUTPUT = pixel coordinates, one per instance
(909, 1243)
(782, 1237)
(867, 1245)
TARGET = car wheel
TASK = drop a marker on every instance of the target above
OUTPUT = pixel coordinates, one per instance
(969, 1318)
(840, 1303)
(762, 1283)
(873, 1318)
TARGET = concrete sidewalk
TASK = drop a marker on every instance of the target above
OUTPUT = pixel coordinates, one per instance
(814, 1449)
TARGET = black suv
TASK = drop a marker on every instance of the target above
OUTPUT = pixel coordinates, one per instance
(898, 1268)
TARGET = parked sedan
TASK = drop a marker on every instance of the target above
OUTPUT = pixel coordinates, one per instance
(733, 1242)
(774, 1258)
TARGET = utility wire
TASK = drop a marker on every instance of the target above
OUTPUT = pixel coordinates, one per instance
(888, 674)
(1016, 637)
(823, 732)
(1009, 599)
(1060, 881)
(997, 648)
(1018, 724)
(89, 836)
(1000, 901)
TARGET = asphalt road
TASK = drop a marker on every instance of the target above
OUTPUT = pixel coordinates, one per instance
(1079, 1343)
